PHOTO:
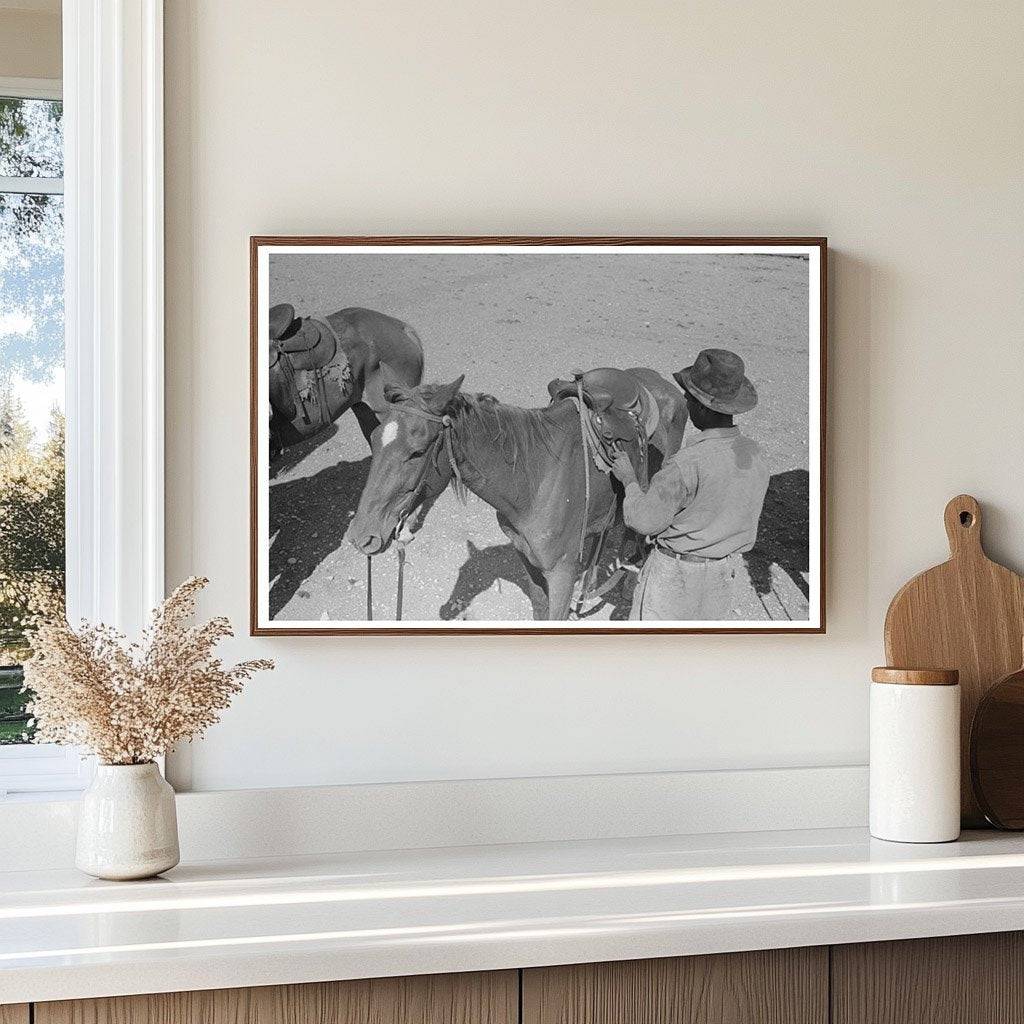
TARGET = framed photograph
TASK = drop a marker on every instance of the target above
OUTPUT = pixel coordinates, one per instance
(537, 435)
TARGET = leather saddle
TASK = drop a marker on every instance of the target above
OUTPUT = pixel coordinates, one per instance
(314, 366)
(310, 343)
(617, 414)
(619, 405)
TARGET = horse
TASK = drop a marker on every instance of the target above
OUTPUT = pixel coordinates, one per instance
(527, 464)
(322, 366)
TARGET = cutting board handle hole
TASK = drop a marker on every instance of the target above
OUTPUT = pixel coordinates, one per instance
(966, 519)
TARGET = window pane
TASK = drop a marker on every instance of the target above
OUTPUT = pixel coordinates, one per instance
(31, 432)
(31, 138)
(14, 726)
(31, 293)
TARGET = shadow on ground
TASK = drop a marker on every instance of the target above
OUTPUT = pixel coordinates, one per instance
(308, 520)
(500, 564)
(294, 454)
(783, 532)
(496, 563)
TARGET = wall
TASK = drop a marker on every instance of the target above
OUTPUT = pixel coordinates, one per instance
(895, 129)
(30, 41)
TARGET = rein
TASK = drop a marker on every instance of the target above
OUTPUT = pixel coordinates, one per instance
(444, 437)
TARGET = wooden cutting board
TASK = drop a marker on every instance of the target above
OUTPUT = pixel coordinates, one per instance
(967, 614)
(997, 752)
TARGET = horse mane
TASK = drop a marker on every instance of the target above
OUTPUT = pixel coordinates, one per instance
(518, 434)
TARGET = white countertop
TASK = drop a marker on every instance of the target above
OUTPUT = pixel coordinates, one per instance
(261, 922)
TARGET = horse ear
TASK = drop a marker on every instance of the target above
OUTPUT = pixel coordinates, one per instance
(445, 393)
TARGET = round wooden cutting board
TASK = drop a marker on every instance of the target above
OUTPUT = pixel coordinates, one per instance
(997, 752)
(967, 614)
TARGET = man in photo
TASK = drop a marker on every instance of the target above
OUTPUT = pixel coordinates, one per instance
(702, 507)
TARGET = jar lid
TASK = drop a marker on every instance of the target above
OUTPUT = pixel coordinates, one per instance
(916, 676)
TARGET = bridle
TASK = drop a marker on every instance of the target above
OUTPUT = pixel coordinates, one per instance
(430, 460)
(444, 437)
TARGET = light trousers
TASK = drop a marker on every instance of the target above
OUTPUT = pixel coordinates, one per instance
(671, 589)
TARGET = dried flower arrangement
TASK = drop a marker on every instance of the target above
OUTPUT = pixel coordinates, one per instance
(129, 703)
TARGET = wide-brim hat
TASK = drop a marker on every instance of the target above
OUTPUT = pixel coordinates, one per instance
(717, 379)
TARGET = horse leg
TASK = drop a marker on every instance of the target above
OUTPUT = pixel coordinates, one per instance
(536, 590)
(561, 580)
(368, 421)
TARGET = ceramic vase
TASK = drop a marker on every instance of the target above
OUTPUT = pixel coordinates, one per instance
(127, 825)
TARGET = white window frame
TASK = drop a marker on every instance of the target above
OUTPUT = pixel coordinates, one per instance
(32, 88)
(114, 326)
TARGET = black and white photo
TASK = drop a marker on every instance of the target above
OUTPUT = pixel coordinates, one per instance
(529, 435)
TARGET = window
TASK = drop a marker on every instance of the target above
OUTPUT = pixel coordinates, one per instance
(91, 172)
(32, 514)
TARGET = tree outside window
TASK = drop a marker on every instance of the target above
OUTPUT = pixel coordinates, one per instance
(32, 555)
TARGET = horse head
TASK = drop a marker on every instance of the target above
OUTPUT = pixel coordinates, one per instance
(409, 462)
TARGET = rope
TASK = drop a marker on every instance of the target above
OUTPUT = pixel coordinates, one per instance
(581, 409)
(400, 586)
(401, 582)
(460, 484)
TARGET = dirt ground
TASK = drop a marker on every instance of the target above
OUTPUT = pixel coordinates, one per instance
(511, 323)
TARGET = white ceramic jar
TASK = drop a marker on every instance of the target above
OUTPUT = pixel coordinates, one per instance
(915, 755)
(127, 824)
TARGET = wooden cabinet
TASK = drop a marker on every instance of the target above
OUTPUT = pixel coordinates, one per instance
(971, 979)
(963, 979)
(776, 986)
(491, 998)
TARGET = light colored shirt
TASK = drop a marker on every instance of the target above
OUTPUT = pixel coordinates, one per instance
(706, 499)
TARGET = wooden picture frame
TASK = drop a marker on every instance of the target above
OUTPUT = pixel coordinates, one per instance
(308, 302)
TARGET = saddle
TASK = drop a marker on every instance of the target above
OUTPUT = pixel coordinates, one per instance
(617, 414)
(316, 368)
(622, 410)
(282, 320)
(309, 342)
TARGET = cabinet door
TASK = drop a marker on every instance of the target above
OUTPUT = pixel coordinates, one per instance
(490, 998)
(778, 986)
(962, 979)
(14, 1013)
